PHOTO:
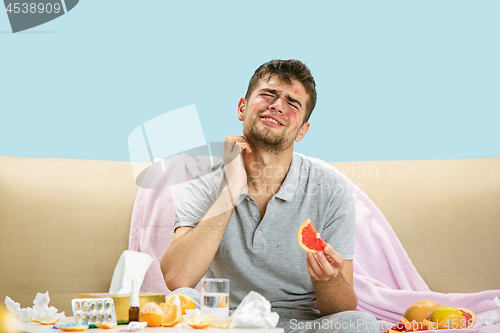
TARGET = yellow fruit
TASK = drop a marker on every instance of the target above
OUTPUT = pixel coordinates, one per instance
(420, 310)
(172, 315)
(187, 302)
(152, 314)
(441, 313)
(452, 322)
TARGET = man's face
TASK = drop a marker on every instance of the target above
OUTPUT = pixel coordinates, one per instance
(274, 113)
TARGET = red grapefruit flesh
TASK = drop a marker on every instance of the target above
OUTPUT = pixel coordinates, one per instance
(309, 238)
(470, 317)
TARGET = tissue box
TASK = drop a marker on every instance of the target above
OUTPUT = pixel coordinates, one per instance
(122, 302)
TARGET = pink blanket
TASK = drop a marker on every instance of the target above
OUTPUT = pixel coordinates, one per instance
(152, 224)
(384, 289)
(385, 280)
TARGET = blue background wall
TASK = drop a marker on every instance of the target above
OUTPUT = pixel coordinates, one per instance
(397, 80)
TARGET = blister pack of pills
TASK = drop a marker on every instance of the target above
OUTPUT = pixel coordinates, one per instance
(94, 310)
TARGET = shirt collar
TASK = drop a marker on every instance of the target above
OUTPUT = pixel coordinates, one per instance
(289, 186)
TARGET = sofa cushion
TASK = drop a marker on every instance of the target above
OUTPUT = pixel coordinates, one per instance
(445, 213)
(64, 225)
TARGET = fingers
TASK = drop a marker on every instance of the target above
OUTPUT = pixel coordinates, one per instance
(311, 270)
(333, 256)
(320, 266)
(323, 267)
(244, 146)
(241, 141)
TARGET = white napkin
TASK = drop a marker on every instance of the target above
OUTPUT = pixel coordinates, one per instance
(40, 311)
(490, 322)
(131, 266)
(254, 311)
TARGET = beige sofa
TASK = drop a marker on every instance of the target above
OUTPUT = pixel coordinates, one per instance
(65, 222)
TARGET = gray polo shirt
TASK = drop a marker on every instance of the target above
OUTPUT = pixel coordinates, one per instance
(262, 253)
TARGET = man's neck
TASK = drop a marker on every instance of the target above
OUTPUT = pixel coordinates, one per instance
(267, 171)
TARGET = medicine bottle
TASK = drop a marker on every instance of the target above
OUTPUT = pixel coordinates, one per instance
(133, 312)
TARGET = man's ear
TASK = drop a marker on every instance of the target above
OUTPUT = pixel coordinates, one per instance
(241, 108)
(303, 131)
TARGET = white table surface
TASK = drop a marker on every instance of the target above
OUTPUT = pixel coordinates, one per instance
(39, 328)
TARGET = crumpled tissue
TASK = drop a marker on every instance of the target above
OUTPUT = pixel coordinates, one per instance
(490, 322)
(131, 266)
(40, 311)
(190, 313)
(254, 311)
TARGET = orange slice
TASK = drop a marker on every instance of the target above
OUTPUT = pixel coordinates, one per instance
(172, 315)
(429, 324)
(187, 302)
(221, 323)
(106, 326)
(222, 303)
(152, 313)
(197, 321)
(52, 322)
(309, 238)
(452, 322)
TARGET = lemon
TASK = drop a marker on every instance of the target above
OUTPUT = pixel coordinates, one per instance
(441, 313)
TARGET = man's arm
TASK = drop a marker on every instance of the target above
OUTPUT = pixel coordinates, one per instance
(193, 249)
(332, 278)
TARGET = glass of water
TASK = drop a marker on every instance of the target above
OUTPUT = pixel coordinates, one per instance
(215, 297)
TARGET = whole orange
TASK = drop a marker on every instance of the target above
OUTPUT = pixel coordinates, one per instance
(152, 314)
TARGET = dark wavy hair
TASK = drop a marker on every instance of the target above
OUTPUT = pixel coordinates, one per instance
(287, 70)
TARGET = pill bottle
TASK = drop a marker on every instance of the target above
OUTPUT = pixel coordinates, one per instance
(133, 312)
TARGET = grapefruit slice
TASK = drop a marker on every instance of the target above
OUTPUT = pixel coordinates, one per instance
(470, 317)
(309, 239)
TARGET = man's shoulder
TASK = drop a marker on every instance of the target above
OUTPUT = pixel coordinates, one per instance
(213, 173)
(318, 169)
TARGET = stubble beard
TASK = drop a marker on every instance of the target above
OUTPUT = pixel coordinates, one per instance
(265, 140)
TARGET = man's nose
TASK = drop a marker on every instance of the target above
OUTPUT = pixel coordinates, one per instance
(277, 104)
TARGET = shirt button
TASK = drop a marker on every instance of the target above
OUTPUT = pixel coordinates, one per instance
(253, 214)
(248, 199)
(259, 232)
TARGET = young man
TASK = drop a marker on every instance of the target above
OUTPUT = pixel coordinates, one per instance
(240, 219)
